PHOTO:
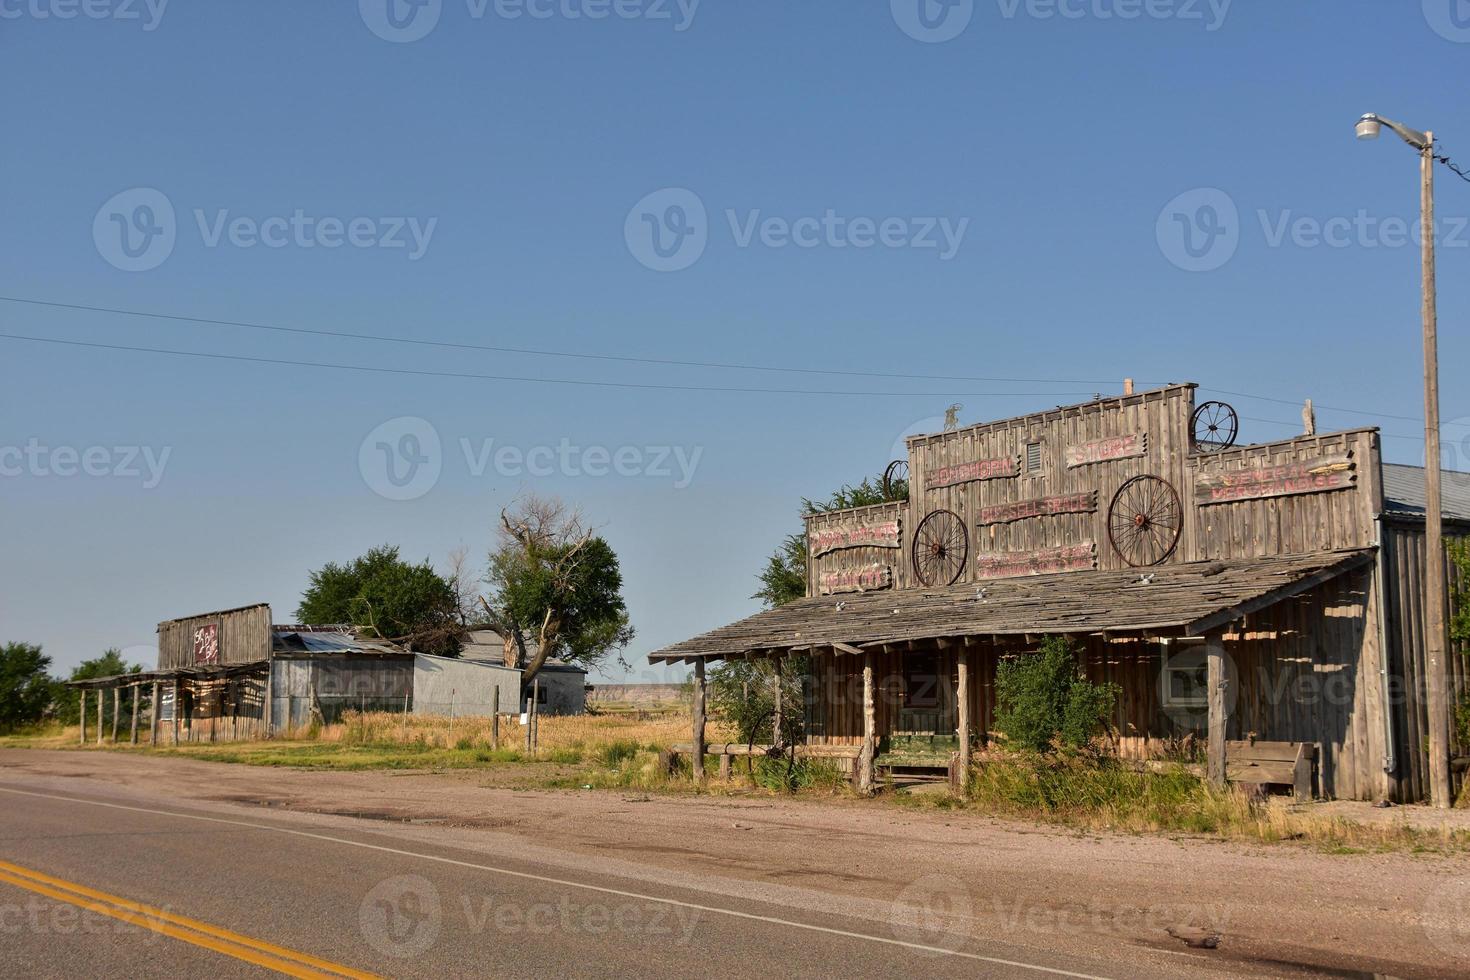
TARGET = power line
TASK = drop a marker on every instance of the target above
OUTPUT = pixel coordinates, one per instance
(464, 375)
(667, 362)
(498, 349)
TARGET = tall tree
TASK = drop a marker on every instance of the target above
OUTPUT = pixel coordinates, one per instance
(556, 584)
(387, 597)
(26, 689)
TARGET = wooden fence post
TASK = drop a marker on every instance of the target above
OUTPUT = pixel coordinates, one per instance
(698, 758)
(962, 694)
(1216, 685)
(153, 717)
(133, 726)
(83, 692)
(536, 715)
(495, 718)
(866, 769)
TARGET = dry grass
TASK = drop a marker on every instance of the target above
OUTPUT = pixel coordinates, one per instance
(556, 733)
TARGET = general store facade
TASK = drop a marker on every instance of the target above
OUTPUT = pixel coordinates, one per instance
(1236, 593)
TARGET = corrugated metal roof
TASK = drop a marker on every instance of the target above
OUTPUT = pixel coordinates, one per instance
(1403, 491)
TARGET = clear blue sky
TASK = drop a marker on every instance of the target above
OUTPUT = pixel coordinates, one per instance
(1051, 146)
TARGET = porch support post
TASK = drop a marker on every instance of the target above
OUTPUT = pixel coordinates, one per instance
(83, 736)
(153, 717)
(99, 715)
(962, 695)
(116, 710)
(133, 692)
(177, 706)
(1216, 693)
(870, 729)
(698, 759)
(777, 693)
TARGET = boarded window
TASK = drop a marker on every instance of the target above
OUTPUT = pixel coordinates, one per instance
(1033, 457)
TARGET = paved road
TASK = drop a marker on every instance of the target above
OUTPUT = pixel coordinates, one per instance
(98, 881)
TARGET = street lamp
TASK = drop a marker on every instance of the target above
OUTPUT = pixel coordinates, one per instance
(1436, 700)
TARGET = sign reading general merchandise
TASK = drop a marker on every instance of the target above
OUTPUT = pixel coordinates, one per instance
(1282, 480)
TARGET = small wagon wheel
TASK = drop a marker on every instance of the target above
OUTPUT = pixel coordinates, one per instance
(896, 477)
(941, 545)
(1145, 520)
(1213, 426)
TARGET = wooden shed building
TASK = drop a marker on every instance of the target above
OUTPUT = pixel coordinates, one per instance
(1242, 595)
(232, 674)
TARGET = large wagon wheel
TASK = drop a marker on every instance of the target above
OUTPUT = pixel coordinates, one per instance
(1213, 426)
(941, 545)
(1145, 520)
(896, 477)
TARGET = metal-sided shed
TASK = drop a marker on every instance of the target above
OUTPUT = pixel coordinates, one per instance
(460, 688)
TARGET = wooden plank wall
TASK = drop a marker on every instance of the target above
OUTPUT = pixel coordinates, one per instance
(1292, 524)
(1308, 671)
(1295, 524)
(222, 710)
(1404, 555)
(1305, 670)
(1162, 415)
(846, 559)
(244, 636)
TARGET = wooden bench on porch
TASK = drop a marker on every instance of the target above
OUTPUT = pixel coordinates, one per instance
(1271, 764)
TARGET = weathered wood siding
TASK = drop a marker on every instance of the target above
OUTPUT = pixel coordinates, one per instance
(1292, 524)
(1145, 434)
(244, 636)
(1306, 669)
(1404, 557)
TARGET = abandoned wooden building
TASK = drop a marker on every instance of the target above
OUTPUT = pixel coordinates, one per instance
(1263, 599)
(233, 674)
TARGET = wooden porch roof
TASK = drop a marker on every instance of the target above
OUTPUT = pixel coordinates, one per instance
(1188, 599)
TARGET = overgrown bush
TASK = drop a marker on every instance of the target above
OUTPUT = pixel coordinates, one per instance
(1043, 700)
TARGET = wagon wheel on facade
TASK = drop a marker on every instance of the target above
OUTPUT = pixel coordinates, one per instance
(896, 477)
(941, 545)
(1145, 520)
(1213, 427)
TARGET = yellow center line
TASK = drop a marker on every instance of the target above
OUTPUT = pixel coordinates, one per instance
(278, 958)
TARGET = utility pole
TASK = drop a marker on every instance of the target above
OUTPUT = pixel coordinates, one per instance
(1436, 639)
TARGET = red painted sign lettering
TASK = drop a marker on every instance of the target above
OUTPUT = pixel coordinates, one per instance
(878, 534)
(1073, 503)
(856, 579)
(1283, 480)
(1068, 558)
(979, 469)
(1102, 450)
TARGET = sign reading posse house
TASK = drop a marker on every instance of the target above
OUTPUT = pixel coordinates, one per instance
(975, 469)
(872, 534)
